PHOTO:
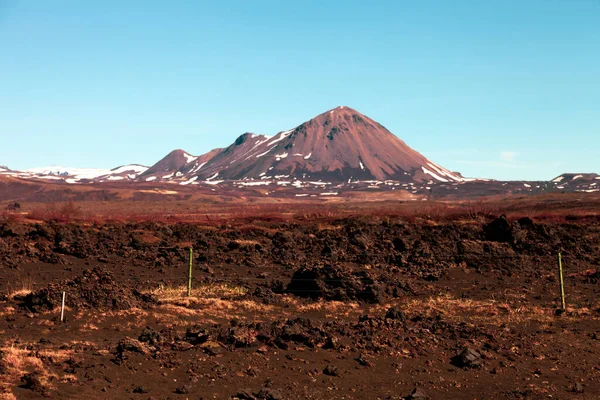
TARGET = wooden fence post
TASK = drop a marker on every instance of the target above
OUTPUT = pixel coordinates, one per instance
(561, 282)
(62, 308)
(189, 288)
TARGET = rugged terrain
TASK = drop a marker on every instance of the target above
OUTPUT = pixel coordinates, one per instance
(325, 308)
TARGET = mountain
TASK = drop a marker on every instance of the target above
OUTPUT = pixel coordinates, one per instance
(177, 164)
(339, 145)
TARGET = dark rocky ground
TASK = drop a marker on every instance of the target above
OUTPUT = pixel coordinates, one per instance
(340, 309)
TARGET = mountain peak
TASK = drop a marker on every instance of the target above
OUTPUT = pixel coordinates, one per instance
(244, 137)
(340, 110)
(173, 161)
(177, 152)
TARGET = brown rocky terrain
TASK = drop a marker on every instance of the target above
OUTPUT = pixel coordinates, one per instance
(328, 308)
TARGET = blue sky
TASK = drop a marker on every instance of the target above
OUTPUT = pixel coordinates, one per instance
(500, 89)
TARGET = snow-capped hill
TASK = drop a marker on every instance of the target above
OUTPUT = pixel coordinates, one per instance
(169, 165)
(77, 173)
(583, 182)
(129, 169)
(570, 178)
(176, 166)
(124, 172)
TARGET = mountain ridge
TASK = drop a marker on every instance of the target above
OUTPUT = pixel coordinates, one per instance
(338, 148)
(340, 145)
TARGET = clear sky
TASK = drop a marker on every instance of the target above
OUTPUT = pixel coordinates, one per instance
(504, 89)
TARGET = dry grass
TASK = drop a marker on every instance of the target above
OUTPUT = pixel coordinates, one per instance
(170, 294)
(488, 312)
(332, 309)
(17, 361)
(23, 287)
(182, 312)
(246, 243)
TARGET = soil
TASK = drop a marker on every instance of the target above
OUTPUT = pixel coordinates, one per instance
(352, 308)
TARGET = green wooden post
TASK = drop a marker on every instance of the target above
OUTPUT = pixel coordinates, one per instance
(189, 288)
(562, 284)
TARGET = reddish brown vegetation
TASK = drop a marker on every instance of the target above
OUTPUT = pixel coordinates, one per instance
(540, 209)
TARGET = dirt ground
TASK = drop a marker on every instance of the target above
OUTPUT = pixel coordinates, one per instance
(349, 308)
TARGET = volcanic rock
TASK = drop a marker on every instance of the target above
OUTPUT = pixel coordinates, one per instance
(417, 394)
(94, 288)
(335, 282)
(467, 358)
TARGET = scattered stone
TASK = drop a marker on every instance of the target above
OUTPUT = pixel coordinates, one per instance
(211, 348)
(335, 282)
(263, 394)
(501, 230)
(395, 314)
(268, 394)
(185, 389)
(244, 395)
(330, 370)
(577, 388)
(467, 358)
(149, 336)
(417, 394)
(195, 335)
(525, 222)
(362, 360)
(133, 345)
(140, 390)
(32, 382)
(331, 343)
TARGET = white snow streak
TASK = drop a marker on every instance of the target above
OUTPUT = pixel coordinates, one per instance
(279, 137)
(262, 154)
(428, 172)
(129, 168)
(189, 158)
(189, 181)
